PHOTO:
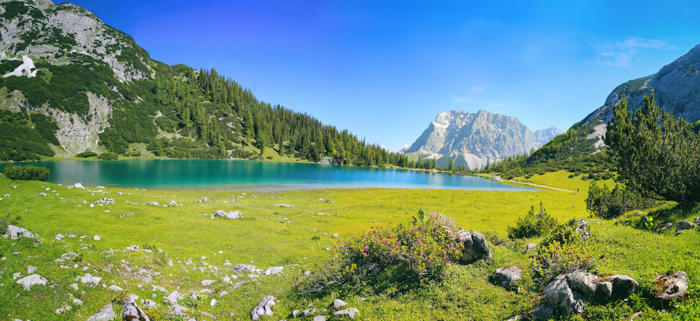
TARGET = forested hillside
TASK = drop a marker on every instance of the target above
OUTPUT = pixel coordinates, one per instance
(71, 84)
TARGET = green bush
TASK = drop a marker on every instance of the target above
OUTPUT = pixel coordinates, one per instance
(565, 249)
(558, 258)
(86, 154)
(27, 172)
(608, 204)
(108, 156)
(532, 224)
(397, 258)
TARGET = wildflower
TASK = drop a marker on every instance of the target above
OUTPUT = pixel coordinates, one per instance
(364, 254)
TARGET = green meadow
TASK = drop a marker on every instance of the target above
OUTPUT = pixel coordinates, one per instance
(184, 245)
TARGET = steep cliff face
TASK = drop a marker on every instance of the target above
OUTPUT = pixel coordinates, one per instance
(476, 139)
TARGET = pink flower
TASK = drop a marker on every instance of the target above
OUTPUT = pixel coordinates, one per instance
(366, 247)
(364, 254)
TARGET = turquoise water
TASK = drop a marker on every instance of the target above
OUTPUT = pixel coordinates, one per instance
(253, 175)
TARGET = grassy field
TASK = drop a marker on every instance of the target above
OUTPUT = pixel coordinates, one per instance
(187, 246)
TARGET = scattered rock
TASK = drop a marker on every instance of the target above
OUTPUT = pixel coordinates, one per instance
(148, 304)
(243, 268)
(203, 199)
(338, 303)
(507, 277)
(665, 226)
(62, 309)
(89, 280)
(153, 203)
(31, 269)
(264, 308)
(697, 220)
(59, 237)
(582, 229)
(229, 215)
(350, 312)
(42, 194)
(78, 185)
(274, 270)
(96, 238)
(16, 275)
(672, 286)
(15, 232)
(115, 288)
(207, 282)
(212, 302)
(172, 203)
(684, 225)
(105, 201)
(172, 298)
(282, 205)
(30, 281)
(132, 312)
(320, 318)
(530, 247)
(105, 314)
(178, 309)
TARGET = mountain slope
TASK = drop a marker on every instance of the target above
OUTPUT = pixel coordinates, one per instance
(676, 87)
(69, 84)
(476, 139)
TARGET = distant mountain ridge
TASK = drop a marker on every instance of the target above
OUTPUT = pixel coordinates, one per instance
(476, 139)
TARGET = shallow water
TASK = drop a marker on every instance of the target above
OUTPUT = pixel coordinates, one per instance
(259, 175)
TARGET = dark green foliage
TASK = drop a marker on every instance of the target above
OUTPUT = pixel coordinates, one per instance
(19, 140)
(565, 233)
(108, 156)
(532, 224)
(46, 127)
(607, 204)
(16, 8)
(26, 172)
(86, 154)
(654, 153)
(9, 65)
(8, 219)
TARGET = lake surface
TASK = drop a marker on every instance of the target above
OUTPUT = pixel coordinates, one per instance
(257, 175)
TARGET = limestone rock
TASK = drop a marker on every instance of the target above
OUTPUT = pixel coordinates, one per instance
(350, 312)
(89, 280)
(132, 312)
(274, 270)
(15, 232)
(105, 314)
(684, 225)
(32, 280)
(507, 276)
(265, 307)
(475, 247)
(672, 286)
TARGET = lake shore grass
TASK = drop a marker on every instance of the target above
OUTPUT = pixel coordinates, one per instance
(297, 237)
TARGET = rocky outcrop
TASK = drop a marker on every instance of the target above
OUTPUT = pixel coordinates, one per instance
(567, 293)
(81, 133)
(476, 139)
(15, 232)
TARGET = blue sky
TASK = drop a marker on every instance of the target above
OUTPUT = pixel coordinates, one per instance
(384, 69)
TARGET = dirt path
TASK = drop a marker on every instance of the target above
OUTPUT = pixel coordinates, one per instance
(498, 178)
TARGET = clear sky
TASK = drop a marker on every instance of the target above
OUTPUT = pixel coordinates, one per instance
(384, 69)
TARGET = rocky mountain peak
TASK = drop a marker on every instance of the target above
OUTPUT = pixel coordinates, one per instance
(474, 139)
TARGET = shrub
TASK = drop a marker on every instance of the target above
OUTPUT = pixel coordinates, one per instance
(86, 154)
(559, 258)
(27, 172)
(108, 156)
(608, 204)
(398, 258)
(532, 224)
(565, 249)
